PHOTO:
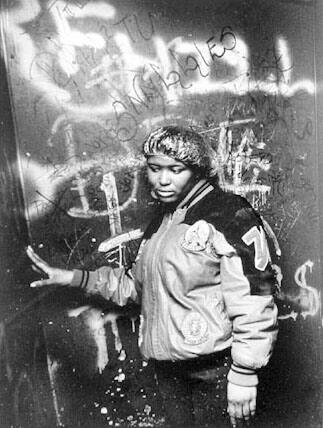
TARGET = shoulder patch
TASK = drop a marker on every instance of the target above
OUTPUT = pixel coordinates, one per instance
(202, 236)
(197, 236)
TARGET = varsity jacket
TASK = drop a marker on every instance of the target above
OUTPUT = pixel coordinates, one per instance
(204, 278)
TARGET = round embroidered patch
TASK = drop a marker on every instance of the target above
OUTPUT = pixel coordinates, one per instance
(194, 329)
(196, 237)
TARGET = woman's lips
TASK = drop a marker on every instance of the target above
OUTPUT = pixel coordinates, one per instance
(165, 193)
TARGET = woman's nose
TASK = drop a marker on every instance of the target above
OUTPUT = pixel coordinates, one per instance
(164, 177)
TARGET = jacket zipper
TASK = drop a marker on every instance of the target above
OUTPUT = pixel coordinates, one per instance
(154, 276)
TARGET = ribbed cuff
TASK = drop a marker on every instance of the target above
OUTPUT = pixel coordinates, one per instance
(80, 278)
(242, 376)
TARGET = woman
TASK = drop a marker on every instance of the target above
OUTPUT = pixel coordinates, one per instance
(204, 279)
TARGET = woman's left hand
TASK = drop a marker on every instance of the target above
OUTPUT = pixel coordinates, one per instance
(241, 402)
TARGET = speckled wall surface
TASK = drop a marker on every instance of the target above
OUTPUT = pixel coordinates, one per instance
(88, 81)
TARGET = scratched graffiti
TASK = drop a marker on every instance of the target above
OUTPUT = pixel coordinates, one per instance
(240, 160)
(104, 65)
(233, 161)
(99, 74)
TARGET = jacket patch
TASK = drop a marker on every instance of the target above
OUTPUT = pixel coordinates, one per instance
(195, 329)
(257, 237)
(196, 237)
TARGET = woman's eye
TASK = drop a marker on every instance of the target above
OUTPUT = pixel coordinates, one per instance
(177, 170)
(153, 168)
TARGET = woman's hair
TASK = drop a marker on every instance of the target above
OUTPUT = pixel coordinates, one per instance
(183, 144)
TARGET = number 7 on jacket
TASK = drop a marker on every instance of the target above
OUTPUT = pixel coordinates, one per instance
(258, 238)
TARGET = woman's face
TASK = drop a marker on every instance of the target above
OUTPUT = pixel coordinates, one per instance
(170, 179)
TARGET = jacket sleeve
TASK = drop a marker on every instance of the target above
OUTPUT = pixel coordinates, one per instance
(116, 284)
(248, 282)
(254, 321)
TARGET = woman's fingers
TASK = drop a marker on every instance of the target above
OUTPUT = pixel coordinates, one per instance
(246, 410)
(241, 403)
(252, 407)
(232, 414)
(39, 262)
(41, 283)
(239, 412)
(55, 276)
(34, 256)
(36, 269)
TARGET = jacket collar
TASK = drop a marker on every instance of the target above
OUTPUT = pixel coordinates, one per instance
(201, 189)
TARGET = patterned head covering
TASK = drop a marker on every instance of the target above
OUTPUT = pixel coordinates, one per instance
(182, 144)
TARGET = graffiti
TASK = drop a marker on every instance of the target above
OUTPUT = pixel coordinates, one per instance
(115, 244)
(89, 81)
(66, 64)
(101, 74)
(113, 72)
(96, 321)
(110, 190)
(42, 183)
(70, 4)
(123, 75)
(53, 367)
(307, 297)
(133, 28)
(236, 157)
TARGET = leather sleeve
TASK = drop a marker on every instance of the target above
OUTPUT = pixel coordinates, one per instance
(248, 282)
(254, 317)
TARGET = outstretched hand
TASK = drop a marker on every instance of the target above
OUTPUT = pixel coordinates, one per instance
(241, 402)
(55, 276)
